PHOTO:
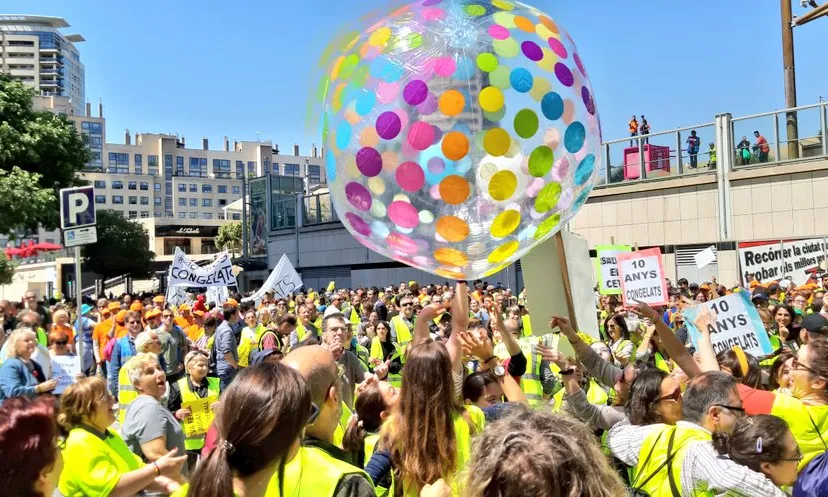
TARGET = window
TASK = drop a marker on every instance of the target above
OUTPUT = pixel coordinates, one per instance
(100, 199)
(157, 200)
(99, 183)
(206, 215)
(198, 167)
(206, 188)
(182, 201)
(144, 186)
(236, 190)
(152, 165)
(222, 188)
(182, 187)
(144, 200)
(193, 188)
(168, 165)
(144, 214)
(314, 174)
(194, 215)
(206, 202)
(132, 185)
(193, 202)
(95, 142)
(236, 216)
(118, 163)
(139, 164)
(133, 200)
(117, 199)
(133, 214)
(117, 185)
(221, 168)
(179, 166)
(291, 169)
(222, 202)
(251, 168)
(156, 187)
(182, 215)
(239, 169)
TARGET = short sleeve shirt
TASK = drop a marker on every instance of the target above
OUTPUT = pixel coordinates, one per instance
(146, 419)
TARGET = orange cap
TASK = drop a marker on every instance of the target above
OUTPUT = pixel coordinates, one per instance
(183, 307)
(232, 303)
(114, 306)
(198, 313)
(152, 313)
(136, 306)
(158, 299)
(120, 317)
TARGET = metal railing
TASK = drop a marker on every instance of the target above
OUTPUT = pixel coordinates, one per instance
(318, 209)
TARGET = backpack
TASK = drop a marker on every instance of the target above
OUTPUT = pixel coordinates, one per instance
(813, 479)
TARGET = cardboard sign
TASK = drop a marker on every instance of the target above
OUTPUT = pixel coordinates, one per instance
(737, 323)
(642, 277)
(200, 418)
(606, 268)
(772, 260)
(64, 369)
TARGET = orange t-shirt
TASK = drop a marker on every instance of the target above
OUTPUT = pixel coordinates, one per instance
(102, 330)
(194, 332)
(183, 322)
(66, 329)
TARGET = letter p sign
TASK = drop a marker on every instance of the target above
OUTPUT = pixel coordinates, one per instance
(77, 207)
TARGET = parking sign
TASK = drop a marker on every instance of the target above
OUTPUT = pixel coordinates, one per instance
(77, 207)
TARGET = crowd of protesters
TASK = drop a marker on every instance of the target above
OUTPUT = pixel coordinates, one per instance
(431, 390)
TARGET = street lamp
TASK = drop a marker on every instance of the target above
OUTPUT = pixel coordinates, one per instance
(788, 23)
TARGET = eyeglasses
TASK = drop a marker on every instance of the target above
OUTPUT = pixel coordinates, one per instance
(407, 304)
(796, 458)
(675, 396)
(61, 342)
(166, 315)
(798, 366)
(133, 322)
(740, 411)
(314, 413)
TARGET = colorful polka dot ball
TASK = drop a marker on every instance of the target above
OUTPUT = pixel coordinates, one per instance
(459, 134)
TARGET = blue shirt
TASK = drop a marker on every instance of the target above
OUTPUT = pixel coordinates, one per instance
(16, 379)
(225, 342)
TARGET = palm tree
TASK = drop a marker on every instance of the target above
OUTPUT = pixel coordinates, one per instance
(229, 238)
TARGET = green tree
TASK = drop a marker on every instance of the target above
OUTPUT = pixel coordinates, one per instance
(122, 248)
(229, 238)
(6, 269)
(41, 143)
(23, 202)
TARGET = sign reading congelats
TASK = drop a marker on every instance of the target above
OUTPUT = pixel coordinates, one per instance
(737, 323)
(185, 272)
(774, 260)
(642, 277)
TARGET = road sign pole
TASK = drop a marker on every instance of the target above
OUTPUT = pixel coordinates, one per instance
(79, 304)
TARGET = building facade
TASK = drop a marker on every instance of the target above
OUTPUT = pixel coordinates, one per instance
(33, 50)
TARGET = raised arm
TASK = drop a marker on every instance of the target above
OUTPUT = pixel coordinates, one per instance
(671, 343)
(509, 341)
(459, 323)
(707, 355)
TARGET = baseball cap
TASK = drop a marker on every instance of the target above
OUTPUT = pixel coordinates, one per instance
(152, 313)
(198, 313)
(183, 307)
(114, 306)
(136, 306)
(231, 303)
(120, 317)
(759, 294)
(815, 323)
(158, 299)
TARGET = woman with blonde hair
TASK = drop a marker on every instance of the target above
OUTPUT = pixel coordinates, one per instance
(97, 461)
(60, 322)
(19, 374)
(540, 454)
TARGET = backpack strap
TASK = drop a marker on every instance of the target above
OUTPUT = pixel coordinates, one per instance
(666, 462)
(673, 488)
(816, 428)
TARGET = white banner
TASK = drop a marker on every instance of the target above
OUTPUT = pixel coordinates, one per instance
(606, 268)
(217, 294)
(185, 272)
(283, 281)
(737, 323)
(772, 261)
(64, 369)
(176, 295)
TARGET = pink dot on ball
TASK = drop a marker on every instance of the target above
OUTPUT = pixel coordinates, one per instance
(433, 14)
(435, 192)
(429, 106)
(557, 47)
(403, 214)
(387, 92)
(445, 66)
(436, 165)
(420, 135)
(358, 224)
(499, 32)
(401, 243)
(358, 196)
(410, 176)
(369, 161)
(560, 169)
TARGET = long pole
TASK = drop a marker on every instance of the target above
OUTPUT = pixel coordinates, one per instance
(790, 79)
(79, 303)
(244, 225)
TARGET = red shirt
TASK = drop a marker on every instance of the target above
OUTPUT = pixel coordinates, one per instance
(763, 144)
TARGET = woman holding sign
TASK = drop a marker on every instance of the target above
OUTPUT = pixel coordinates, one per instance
(194, 389)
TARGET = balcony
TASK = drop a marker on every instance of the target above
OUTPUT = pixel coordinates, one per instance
(50, 83)
(51, 73)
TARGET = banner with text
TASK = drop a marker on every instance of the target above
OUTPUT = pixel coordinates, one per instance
(185, 272)
(774, 260)
(737, 323)
(642, 277)
(606, 268)
(283, 281)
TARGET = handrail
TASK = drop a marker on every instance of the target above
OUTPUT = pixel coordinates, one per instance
(650, 135)
(775, 112)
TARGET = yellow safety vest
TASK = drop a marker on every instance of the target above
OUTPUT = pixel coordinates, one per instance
(248, 339)
(354, 317)
(595, 394)
(85, 451)
(654, 452)
(661, 364)
(776, 343)
(187, 395)
(530, 382)
(126, 394)
(376, 353)
(312, 473)
(339, 432)
(404, 336)
(619, 347)
(362, 354)
(370, 446)
(527, 325)
(799, 416)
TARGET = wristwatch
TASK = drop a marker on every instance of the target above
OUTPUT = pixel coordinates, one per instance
(567, 372)
(499, 371)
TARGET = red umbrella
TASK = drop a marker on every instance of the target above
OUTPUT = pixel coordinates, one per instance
(26, 249)
(11, 251)
(46, 246)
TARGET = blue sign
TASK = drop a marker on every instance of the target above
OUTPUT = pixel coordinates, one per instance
(737, 323)
(77, 207)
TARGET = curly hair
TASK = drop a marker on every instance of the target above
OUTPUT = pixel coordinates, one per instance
(540, 454)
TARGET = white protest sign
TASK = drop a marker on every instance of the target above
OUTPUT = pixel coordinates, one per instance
(772, 261)
(217, 295)
(737, 323)
(64, 369)
(642, 277)
(282, 281)
(185, 272)
(705, 257)
(606, 268)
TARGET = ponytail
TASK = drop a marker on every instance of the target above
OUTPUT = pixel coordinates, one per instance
(354, 438)
(213, 477)
(721, 442)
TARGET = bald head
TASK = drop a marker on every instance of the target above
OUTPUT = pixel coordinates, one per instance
(316, 364)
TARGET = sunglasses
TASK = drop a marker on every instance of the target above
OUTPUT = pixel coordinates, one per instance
(133, 322)
(737, 410)
(61, 342)
(407, 304)
(675, 396)
(166, 315)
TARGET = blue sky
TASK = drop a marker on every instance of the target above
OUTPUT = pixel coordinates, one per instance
(214, 68)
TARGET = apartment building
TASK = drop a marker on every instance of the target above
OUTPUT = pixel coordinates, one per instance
(33, 50)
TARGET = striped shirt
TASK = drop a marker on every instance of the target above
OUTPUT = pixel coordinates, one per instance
(702, 468)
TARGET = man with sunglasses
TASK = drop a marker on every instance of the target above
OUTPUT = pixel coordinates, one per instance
(681, 458)
(321, 469)
(403, 323)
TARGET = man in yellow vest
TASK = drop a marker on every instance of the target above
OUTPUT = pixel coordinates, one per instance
(680, 460)
(321, 469)
(307, 325)
(403, 323)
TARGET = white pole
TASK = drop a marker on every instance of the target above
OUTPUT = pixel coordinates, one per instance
(79, 297)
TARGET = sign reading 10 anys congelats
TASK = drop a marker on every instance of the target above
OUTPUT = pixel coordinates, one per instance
(77, 216)
(642, 277)
(737, 323)
(606, 268)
